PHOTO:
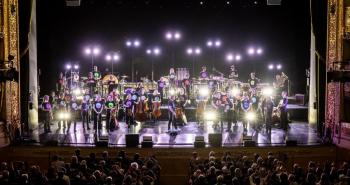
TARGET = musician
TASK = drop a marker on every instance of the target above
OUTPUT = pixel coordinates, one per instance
(141, 106)
(212, 83)
(91, 83)
(281, 83)
(110, 106)
(61, 108)
(156, 102)
(181, 103)
(111, 83)
(245, 106)
(97, 74)
(267, 106)
(139, 88)
(219, 107)
(129, 110)
(230, 114)
(97, 108)
(73, 108)
(47, 109)
(172, 113)
(172, 76)
(254, 98)
(234, 74)
(284, 111)
(186, 84)
(204, 75)
(85, 106)
(161, 85)
(253, 81)
(61, 83)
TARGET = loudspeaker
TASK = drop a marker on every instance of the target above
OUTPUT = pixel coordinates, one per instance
(274, 2)
(102, 141)
(291, 143)
(51, 143)
(199, 142)
(132, 140)
(249, 143)
(147, 142)
(215, 140)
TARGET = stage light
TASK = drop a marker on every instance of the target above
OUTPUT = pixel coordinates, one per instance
(80, 97)
(172, 92)
(148, 51)
(235, 91)
(271, 67)
(227, 2)
(136, 43)
(210, 116)
(77, 91)
(204, 91)
(209, 43)
(279, 66)
(250, 116)
(217, 43)
(96, 51)
(128, 43)
(68, 66)
(229, 57)
(76, 66)
(259, 51)
(267, 91)
(251, 51)
(63, 115)
(108, 57)
(198, 51)
(177, 35)
(88, 51)
(238, 57)
(156, 51)
(169, 36)
(189, 51)
(116, 57)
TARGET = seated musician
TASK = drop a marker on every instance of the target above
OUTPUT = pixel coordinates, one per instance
(172, 77)
(141, 106)
(253, 82)
(204, 75)
(139, 88)
(161, 85)
(129, 110)
(186, 84)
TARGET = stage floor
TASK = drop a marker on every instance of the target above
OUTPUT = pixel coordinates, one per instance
(303, 133)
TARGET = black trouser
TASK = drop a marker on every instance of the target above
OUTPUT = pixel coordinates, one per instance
(129, 119)
(74, 118)
(97, 120)
(47, 121)
(268, 120)
(108, 119)
(284, 119)
(230, 117)
(172, 120)
(161, 92)
(85, 118)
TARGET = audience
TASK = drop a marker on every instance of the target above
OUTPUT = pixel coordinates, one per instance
(271, 170)
(85, 171)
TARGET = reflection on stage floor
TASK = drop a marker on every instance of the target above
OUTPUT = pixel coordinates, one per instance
(303, 133)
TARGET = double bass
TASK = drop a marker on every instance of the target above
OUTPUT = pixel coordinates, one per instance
(156, 112)
(141, 109)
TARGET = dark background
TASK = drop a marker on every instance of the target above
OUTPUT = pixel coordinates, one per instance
(282, 31)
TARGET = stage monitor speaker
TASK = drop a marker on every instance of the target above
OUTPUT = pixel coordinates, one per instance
(291, 143)
(199, 142)
(73, 2)
(247, 138)
(102, 141)
(249, 143)
(215, 140)
(274, 2)
(147, 142)
(132, 140)
(51, 143)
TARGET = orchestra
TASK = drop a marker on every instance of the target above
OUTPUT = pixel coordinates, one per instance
(88, 98)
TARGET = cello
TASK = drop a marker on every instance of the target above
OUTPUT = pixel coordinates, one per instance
(141, 109)
(156, 112)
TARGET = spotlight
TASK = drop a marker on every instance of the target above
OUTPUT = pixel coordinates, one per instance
(279, 66)
(235, 91)
(136, 43)
(96, 51)
(189, 51)
(63, 115)
(172, 92)
(88, 51)
(210, 116)
(177, 35)
(76, 66)
(229, 57)
(267, 91)
(148, 51)
(201, 3)
(217, 43)
(238, 57)
(251, 51)
(227, 2)
(204, 91)
(198, 51)
(259, 51)
(156, 51)
(128, 43)
(169, 36)
(77, 91)
(271, 67)
(250, 116)
(116, 57)
(209, 43)
(108, 57)
(68, 66)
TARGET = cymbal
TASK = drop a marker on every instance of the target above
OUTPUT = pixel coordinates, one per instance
(124, 76)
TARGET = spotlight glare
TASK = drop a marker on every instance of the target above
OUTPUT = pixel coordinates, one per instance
(229, 57)
(77, 92)
(96, 51)
(250, 116)
(235, 91)
(169, 36)
(204, 91)
(88, 51)
(209, 43)
(198, 51)
(267, 91)
(210, 116)
(108, 57)
(172, 92)
(251, 51)
(156, 51)
(148, 51)
(279, 66)
(217, 43)
(136, 43)
(128, 43)
(68, 66)
(189, 51)
(76, 66)
(177, 35)
(271, 66)
(116, 57)
(238, 57)
(259, 51)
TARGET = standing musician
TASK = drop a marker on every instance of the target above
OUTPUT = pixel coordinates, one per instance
(47, 108)
(230, 114)
(246, 106)
(204, 75)
(218, 106)
(97, 74)
(129, 110)
(74, 111)
(172, 113)
(234, 74)
(172, 77)
(253, 82)
(161, 85)
(110, 109)
(156, 103)
(61, 108)
(111, 84)
(97, 108)
(85, 106)
(91, 83)
(181, 103)
(61, 84)
(186, 84)
(284, 111)
(267, 106)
